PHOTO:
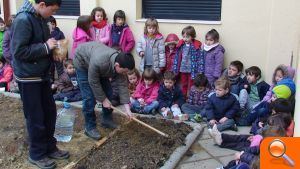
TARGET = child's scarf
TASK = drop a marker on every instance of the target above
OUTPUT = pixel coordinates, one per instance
(99, 25)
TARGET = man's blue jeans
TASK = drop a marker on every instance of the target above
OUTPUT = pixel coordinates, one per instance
(88, 99)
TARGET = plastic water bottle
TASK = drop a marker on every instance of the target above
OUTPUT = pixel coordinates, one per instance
(64, 123)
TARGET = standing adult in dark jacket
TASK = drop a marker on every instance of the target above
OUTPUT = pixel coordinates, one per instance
(31, 50)
(95, 63)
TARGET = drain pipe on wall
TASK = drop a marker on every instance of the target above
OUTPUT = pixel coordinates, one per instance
(297, 104)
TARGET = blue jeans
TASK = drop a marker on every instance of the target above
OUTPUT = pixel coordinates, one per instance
(88, 99)
(192, 110)
(146, 109)
(226, 125)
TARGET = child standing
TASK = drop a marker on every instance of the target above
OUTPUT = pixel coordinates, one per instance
(151, 47)
(234, 74)
(187, 62)
(6, 74)
(67, 84)
(213, 54)
(6, 40)
(100, 29)
(2, 30)
(145, 95)
(197, 98)
(170, 43)
(133, 77)
(81, 33)
(222, 106)
(256, 87)
(121, 37)
(170, 97)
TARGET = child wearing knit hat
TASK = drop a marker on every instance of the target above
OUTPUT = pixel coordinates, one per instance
(281, 91)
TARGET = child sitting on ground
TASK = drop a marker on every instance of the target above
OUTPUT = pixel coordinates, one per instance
(281, 72)
(279, 106)
(145, 96)
(213, 54)
(6, 74)
(262, 110)
(234, 74)
(256, 87)
(247, 145)
(133, 77)
(197, 98)
(170, 43)
(222, 106)
(170, 97)
(67, 84)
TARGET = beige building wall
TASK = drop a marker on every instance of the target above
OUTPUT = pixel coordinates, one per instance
(263, 33)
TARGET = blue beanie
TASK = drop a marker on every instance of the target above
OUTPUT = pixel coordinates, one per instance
(289, 83)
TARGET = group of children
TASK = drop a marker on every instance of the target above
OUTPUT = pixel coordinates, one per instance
(181, 79)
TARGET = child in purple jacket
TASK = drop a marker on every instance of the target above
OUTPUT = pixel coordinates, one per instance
(213, 54)
(121, 37)
(6, 40)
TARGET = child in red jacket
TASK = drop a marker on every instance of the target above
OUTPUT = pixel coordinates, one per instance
(145, 96)
(6, 74)
(170, 42)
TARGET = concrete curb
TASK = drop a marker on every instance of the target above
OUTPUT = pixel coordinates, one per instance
(175, 157)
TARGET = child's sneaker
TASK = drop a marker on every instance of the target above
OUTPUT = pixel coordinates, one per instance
(197, 118)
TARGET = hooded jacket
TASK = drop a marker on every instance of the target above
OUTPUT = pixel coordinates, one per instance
(148, 94)
(288, 73)
(126, 41)
(31, 54)
(197, 61)
(158, 49)
(214, 60)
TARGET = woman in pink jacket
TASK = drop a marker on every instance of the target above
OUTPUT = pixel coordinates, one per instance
(121, 37)
(145, 96)
(100, 29)
(6, 74)
(81, 33)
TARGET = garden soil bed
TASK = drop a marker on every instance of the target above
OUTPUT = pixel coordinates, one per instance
(13, 144)
(135, 146)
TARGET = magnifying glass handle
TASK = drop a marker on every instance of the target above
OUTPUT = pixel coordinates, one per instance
(289, 160)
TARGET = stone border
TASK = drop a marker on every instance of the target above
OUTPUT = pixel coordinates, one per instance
(179, 152)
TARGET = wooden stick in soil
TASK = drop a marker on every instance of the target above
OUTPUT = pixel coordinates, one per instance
(142, 123)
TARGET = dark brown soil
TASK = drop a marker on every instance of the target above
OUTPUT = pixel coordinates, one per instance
(13, 145)
(135, 146)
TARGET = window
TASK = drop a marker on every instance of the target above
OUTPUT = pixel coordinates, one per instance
(69, 8)
(207, 10)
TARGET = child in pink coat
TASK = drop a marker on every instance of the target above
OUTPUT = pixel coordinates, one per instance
(6, 74)
(81, 33)
(100, 29)
(121, 37)
(145, 96)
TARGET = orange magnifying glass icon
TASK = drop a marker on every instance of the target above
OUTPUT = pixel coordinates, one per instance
(277, 149)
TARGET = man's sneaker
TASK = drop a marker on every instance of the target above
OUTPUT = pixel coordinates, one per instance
(59, 154)
(197, 118)
(45, 163)
(108, 124)
(94, 134)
